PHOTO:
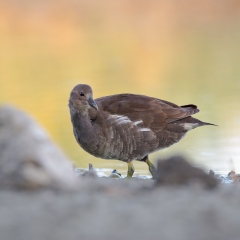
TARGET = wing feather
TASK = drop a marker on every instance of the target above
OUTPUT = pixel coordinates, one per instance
(154, 113)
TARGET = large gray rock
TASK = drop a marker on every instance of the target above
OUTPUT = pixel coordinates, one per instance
(28, 157)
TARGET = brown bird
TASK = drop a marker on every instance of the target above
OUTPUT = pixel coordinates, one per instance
(128, 127)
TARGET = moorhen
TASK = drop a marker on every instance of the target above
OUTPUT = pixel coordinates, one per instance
(128, 127)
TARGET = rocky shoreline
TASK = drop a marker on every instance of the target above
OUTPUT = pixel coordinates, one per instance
(224, 178)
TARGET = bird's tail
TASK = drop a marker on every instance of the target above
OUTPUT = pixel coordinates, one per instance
(205, 123)
(190, 123)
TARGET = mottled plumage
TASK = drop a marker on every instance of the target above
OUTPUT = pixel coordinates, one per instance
(127, 127)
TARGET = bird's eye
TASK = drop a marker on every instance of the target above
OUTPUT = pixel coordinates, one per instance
(81, 94)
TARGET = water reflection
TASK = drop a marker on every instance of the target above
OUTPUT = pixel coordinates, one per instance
(146, 49)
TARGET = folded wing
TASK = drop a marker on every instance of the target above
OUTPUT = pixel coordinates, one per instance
(145, 111)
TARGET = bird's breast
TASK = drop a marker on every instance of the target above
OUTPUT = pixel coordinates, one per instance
(126, 139)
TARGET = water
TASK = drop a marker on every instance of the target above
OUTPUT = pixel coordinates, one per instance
(154, 50)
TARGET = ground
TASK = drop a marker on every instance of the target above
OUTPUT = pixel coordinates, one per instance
(104, 208)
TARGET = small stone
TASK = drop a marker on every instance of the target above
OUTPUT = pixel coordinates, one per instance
(233, 176)
(90, 172)
(115, 174)
(211, 173)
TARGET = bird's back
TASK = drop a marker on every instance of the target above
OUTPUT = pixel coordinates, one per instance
(135, 125)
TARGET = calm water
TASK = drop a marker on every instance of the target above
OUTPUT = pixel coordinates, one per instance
(45, 52)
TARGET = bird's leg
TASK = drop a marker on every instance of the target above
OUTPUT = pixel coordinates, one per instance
(130, 170)
(151, 167)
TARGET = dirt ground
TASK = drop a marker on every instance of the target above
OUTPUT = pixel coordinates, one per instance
(105, 208)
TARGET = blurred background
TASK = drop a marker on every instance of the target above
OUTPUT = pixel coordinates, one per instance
(181, 51)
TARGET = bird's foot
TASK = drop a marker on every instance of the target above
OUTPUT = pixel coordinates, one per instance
(152, 169)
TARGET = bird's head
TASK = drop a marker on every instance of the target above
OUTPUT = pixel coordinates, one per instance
(81, 98)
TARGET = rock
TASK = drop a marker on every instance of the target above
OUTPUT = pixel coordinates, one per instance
(28, 157)
(233, 176)
(115, 174)
(177, 171)
(212, 173)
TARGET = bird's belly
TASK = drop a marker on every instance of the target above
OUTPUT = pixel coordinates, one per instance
(131, 148)
(126, 146)
(127, 149)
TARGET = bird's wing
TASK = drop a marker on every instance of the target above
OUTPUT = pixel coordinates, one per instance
(150, 112)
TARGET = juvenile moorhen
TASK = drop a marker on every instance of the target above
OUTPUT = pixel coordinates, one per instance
(128, 127)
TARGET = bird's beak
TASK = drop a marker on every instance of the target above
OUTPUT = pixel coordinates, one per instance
(92, 102)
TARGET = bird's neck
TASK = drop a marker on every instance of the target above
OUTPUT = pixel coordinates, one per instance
(82, 125)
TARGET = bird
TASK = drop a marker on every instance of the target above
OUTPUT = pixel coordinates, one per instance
(127, 126)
